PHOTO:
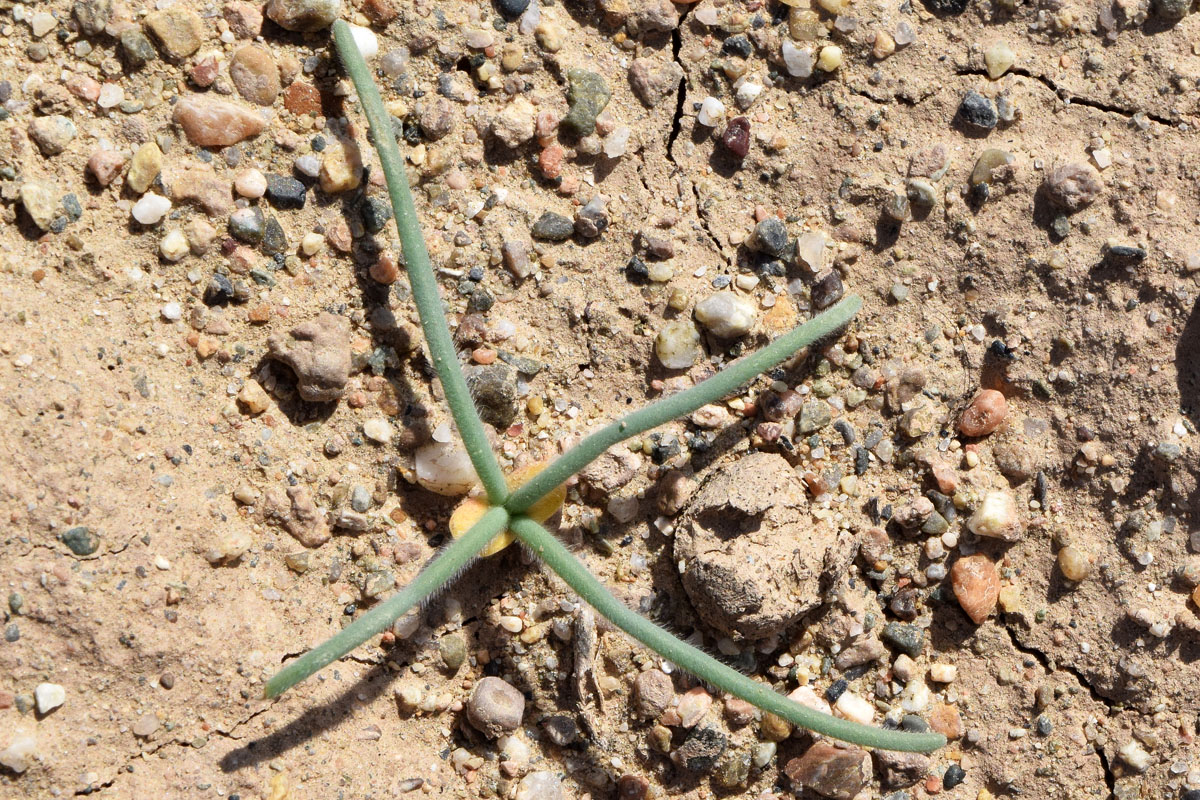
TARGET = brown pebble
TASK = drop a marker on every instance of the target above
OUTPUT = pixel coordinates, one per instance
(254, 74)
(1074, 563)
(245, 19)
(105, 165)
(302, 98)
(632, 787)
(839, 773)
(216, 123)
(385, 270)
(985, 413)
(205, 70)
(945, 719)
(976, 585)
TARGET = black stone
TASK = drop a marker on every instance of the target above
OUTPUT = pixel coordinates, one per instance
(906, 638)
(245, 227)
(136, 48)
(977, 111)
(954, 776)
(700, 751)
(553, 227)
(561, 729)
(494, 390)
(375, 214)
(770, 237)
(1124, 254)
(285, 192)
(274, 240)
(511, 9)
(636, 270)
(737, 46)
(219, 291)
(914, 724)
(947, 6)
(836, 690)
(1044, 725)
(828, 290)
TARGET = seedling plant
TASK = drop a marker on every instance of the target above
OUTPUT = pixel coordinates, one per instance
(487, 524)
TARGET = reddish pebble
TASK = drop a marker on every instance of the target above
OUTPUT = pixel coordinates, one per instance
(984, 415)
(205, 71)
(105, 165)
(736, 137)
(483, 355)
(550, 161)
(933, 784)
(302, 98)
(84, 88)
(976, 585)
(632, 787)
(385, 269)
(338, 235)
(945, 719)
(546, 127)
(259, 314)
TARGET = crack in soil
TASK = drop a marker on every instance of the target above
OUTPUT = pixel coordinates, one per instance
(677, 128)
(1071, 99)
(1051, 667)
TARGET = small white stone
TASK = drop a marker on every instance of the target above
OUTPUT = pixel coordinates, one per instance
(712, 111)
(797, 60)
(366, 41)
(904, 668)
(18, 754)
(312, 243)
(678, 344)
(1135, 756)
(308, 165)
(810, 250)
(854, 708)
(999, 59)
(110, 95)
(830, 58)
(445, 469)
(540, 785)
(174, 246)
(378, 430)
(250, 183)
(617, 142)
(172, 312)
(915, 697)
(512, 624)
(49, 696)
(42, 23)
(943, 673)
(513, 749)
(1102, 156)
(996, 517)
(747, 92)
(151, 209)
(726, 314)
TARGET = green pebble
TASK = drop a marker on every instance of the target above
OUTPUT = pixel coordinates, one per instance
(81, 540)
(453, 650)
(906, 638)
(587, 96)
